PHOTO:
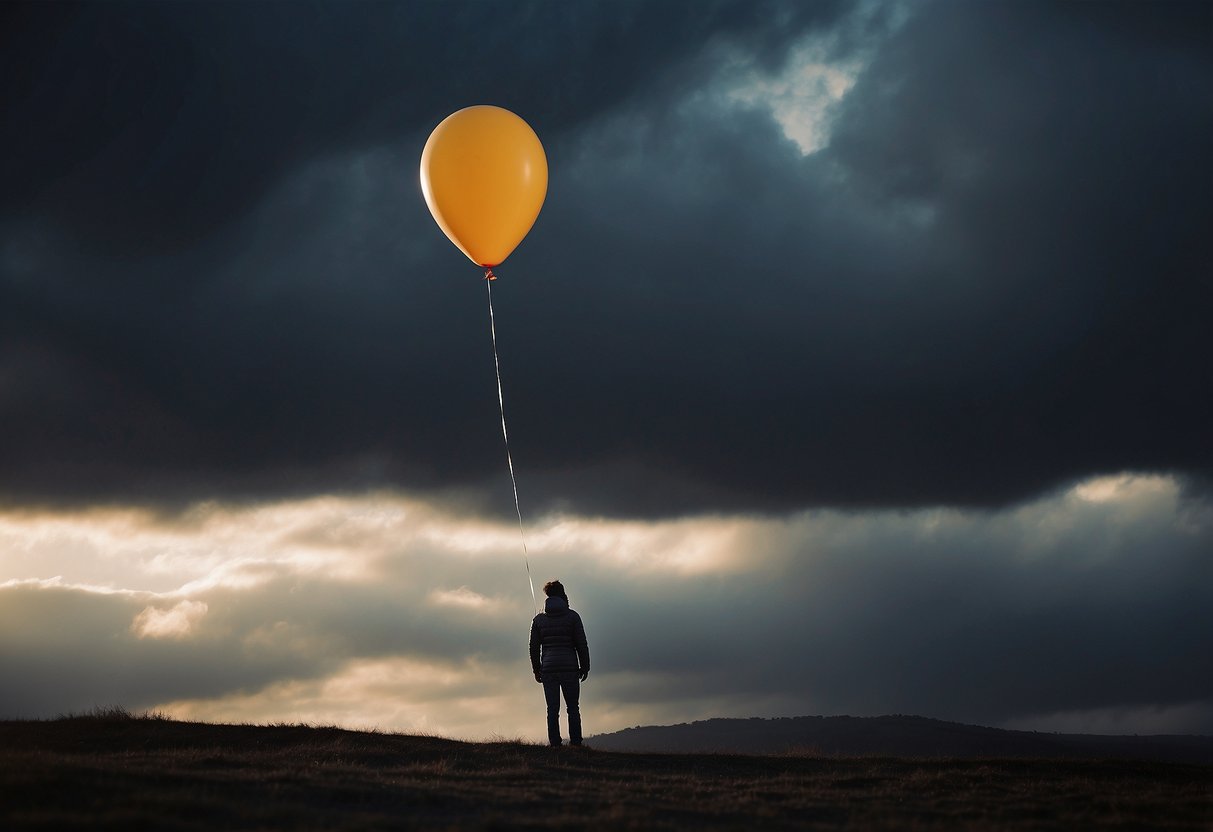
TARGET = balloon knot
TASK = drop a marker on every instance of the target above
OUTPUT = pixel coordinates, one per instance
(488, 275)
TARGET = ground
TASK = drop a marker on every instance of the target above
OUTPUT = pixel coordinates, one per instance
(114, 771)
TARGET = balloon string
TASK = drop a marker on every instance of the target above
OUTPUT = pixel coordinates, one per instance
(505, 434)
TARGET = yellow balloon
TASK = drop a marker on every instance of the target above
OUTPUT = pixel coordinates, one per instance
(484, 176)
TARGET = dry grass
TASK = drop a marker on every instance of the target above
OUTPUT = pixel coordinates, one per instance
(111, 770)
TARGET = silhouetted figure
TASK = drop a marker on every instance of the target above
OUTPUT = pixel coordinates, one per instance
(560, 659)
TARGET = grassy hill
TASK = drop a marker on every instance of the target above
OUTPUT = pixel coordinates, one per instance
(114, 771)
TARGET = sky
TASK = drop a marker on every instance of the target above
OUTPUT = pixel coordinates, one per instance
(858, 363)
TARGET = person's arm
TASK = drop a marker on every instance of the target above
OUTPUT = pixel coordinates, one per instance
(583, 649)
(534, 648)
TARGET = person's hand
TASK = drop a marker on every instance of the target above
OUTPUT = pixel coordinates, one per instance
(539, 678)
(585, 674)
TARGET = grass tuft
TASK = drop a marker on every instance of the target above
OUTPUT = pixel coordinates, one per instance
(115, 713)
(502, 739)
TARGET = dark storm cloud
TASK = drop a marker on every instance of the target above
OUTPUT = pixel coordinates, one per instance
(138, 140)
(1064, 161)
(147, 126)
(993, 280)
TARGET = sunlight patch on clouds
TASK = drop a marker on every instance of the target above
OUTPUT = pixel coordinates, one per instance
(34, 543)
(57, 582)
(471, 536)
(1095, 516)
(803, 98)
(177, 621)
(370, 538)
(1123, 487)
(686, 547)
(365, 539)
(462, 598)
(350, 539)
(211, 544)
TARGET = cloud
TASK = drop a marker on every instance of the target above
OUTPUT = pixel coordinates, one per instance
(124, 110)
(1186, 718)
(462, 598)
(176, 621)
(817, 74)
(1090, 604)
(954, 302)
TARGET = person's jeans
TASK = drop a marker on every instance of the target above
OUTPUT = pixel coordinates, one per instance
(554, 684)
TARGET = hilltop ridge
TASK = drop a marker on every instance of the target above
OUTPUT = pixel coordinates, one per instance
(896, 735)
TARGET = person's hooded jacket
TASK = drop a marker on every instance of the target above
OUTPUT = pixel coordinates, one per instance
(558, 639)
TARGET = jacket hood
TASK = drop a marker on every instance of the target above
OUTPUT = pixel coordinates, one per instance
(556, 605)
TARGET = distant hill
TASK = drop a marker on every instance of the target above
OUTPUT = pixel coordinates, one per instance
(895, 736)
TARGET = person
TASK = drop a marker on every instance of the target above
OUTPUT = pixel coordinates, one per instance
(560, 659)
